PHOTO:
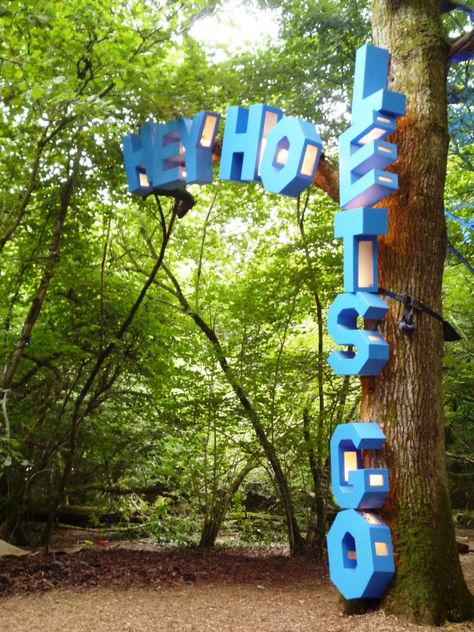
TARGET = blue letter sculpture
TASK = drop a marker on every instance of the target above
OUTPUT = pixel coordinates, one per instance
(372, 349)
(360, 554)
(363, 182)
(260, 145)
(170, 155)
(290, 160)
(354, 487)
(197, 135)
(359, 229)
(359, 543)
(362, 155)
(245, 136)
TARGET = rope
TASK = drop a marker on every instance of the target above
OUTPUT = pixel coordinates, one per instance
(468, 224)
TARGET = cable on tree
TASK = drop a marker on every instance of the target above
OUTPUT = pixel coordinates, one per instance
(183, 200)
(411, 305)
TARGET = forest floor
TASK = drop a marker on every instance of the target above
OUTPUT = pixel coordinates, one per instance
(138, 586)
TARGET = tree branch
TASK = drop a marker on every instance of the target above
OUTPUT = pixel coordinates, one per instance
(462, 49)
(155, 489)
(460, 258)
(41, 291)
(183, 200)
(249, 410)
(461, 457)
(327, 178)
(201, 251)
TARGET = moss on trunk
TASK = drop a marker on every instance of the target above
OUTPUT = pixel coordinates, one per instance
(428, 586)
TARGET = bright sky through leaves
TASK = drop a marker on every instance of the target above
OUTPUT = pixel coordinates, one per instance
(235, 27)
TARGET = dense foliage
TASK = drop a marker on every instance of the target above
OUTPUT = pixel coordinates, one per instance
(175, 371)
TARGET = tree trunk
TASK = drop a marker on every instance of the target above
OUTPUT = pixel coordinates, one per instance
(214, 518)
(51, 263)
(210, 528)
(81, 409)
(405, 399)
(295, 539)
(12, 527)
(316, 534)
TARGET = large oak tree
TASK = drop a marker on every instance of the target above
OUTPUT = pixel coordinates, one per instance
(406, 397)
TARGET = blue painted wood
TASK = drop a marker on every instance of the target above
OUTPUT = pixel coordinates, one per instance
(294, 137)
(198, 150)
(243, 134)
(357, 492)
(355, 567)
(372, 349)
(170, 154)
(354, 227)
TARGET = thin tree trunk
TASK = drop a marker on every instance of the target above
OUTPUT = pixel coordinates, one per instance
(295, 539)
(213, 521)
(201, 251)
(316, 535)
(42, 289)
(405, 399)
(79, 412)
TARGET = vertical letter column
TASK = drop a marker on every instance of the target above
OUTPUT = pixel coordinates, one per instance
(363, 182)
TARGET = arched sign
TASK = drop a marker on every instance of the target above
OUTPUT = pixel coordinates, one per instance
(261, 144)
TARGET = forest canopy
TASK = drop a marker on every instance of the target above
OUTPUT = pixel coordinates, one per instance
(173, 370)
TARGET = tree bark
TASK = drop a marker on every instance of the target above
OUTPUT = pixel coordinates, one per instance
(327, 178)
(405, 399)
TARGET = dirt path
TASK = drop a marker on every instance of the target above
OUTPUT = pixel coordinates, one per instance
(123, 590)
(189, 608)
